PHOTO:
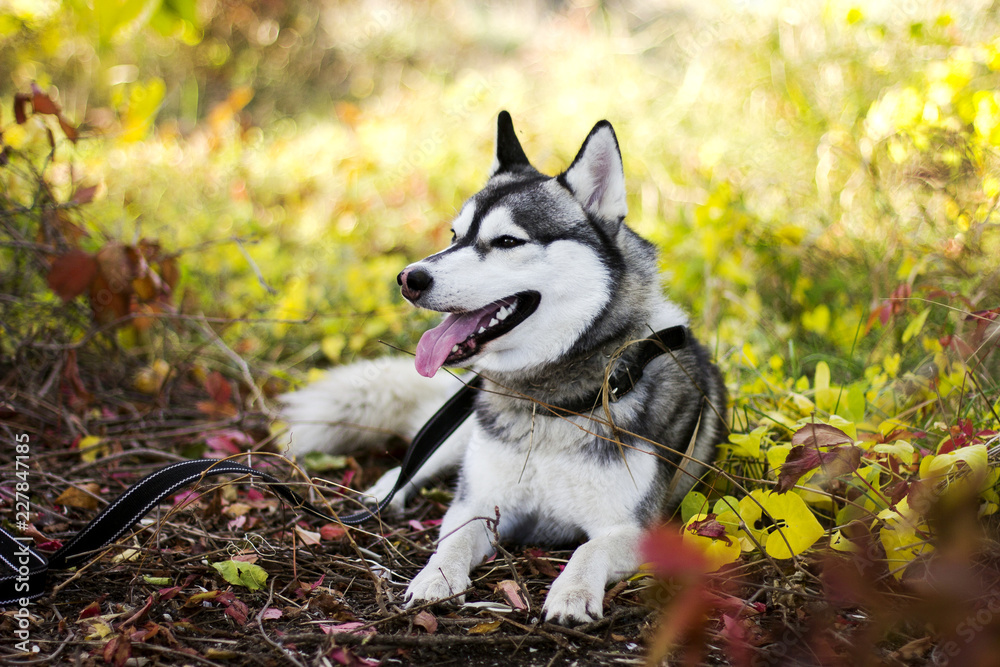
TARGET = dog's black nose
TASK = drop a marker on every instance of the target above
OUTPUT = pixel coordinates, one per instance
(414, 282)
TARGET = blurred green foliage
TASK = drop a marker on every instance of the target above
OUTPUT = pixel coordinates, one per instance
(795, 164)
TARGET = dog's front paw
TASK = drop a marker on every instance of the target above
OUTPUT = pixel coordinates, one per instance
(434, 584)
(571, 602)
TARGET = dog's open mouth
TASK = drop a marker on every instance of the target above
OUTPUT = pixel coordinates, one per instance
(463, 335)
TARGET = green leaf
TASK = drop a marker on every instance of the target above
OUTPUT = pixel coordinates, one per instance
(694, 503)
(322, 462)
(726, 504)
(240, 573)
(916, 324)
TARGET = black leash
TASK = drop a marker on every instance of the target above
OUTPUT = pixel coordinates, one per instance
(24, 572)
(438, 429)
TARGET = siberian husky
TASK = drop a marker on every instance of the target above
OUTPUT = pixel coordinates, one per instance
(548, 295)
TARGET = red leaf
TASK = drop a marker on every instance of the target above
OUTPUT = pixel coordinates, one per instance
(352, 627)
(118, 651)
(511, 591)
(237, 611)
(709, 527)
(670, 555)
(71, 132)
(537, 560)
(227, 441)
(820, 435)
(305, 589)
(332, 531)
(111, 290)
(218, 388)
(91, 610)
(42, 103)
(71, 274)
(802, 459)
(168, 593)
(84, 195)
(427, 621)
(271, 613)
(21, 101)
(734, 633)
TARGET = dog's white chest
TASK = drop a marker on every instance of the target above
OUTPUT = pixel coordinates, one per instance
(551, 481)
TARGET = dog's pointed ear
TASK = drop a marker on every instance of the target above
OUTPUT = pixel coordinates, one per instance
(509, 154)
(596, 178)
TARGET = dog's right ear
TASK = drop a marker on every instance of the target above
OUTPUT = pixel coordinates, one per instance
(509, 154)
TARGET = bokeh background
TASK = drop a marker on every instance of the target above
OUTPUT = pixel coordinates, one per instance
(796, 162)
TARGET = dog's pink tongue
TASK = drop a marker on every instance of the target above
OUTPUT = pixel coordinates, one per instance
(435, 345)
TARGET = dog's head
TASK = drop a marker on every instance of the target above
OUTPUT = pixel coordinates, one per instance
(531, 263)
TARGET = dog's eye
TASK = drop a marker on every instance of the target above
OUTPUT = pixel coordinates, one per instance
(454, 236)
(506, 242)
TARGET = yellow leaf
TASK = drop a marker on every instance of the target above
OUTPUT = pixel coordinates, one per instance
(485, 628)
(748, 444)
(782, 523)
(82, 496)
(90, 448)
(719, 551)
(98, 630)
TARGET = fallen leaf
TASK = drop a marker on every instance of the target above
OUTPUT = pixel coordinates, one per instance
(308, 537)
(97, 630)
(239, 573)
(91, 610)
(537, 560)
(354, 628)
(237, 611)
(332, 531)
(271, 613)
(118, 651)
(485, 628)
(91, 447)
(427, 621)
(80, 496)
(511, 591)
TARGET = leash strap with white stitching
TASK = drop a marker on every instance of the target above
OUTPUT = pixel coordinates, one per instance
(24, 572)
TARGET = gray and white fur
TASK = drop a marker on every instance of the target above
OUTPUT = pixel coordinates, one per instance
(546, 291)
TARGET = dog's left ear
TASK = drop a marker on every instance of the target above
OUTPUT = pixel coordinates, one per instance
(596, 178)
(509, 155)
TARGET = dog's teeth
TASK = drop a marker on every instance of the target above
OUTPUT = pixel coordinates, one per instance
(482, 329)
(454, 348)
(493, 322)
(503, 313)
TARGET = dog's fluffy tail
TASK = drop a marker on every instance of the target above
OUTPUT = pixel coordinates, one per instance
(362, 405)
